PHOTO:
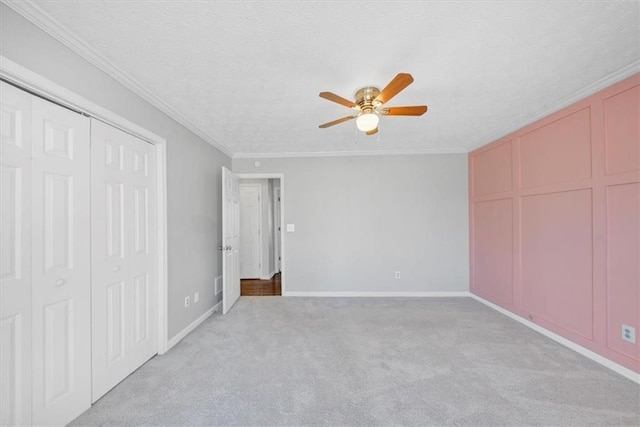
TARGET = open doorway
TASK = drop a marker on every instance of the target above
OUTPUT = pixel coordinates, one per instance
(260, 236)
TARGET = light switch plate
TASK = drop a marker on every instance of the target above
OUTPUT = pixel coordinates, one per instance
(291, 228)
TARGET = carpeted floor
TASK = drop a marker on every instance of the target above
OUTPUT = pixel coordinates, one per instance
(373, 361)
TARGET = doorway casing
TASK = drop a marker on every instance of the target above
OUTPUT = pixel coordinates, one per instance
(279, 176)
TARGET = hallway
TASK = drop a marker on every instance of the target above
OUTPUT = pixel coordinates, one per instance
(256, 287)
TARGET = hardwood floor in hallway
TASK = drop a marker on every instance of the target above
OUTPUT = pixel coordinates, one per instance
(256, 287)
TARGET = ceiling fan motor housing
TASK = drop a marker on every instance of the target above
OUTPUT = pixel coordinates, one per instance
(365, 97)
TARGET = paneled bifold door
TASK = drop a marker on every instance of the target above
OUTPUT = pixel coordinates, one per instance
(45, 359)
(124, 220)
(78, 257)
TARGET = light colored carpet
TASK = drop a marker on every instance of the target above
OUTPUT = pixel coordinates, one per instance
(367, 361)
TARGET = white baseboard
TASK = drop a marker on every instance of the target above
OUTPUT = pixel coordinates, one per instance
(376, 294)
(178, 337)
(269, 276)
(625, 372)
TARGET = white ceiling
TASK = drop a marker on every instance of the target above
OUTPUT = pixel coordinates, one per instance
(246, 75)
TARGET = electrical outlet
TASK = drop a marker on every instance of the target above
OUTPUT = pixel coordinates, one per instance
(629, 334)
(196, 297)
(187, 302)
(397, 274)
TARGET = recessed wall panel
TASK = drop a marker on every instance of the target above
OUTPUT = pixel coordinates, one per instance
(492, 170)
(622, 131)
(556, 254)
(623, 265)
(492, 249)
(557, 152)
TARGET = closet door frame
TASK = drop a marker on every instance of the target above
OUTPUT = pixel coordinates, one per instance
(24, 78)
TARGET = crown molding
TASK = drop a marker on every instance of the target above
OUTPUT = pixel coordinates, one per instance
(351, 153)
(29, 10)
(586, 91)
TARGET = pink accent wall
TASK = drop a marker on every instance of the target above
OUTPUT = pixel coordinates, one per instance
(555, 221)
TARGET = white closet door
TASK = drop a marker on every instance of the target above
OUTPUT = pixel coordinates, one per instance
(124, 255)
(61, 264)
(15, 256)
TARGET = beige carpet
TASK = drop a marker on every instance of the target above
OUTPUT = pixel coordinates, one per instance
(355, 361)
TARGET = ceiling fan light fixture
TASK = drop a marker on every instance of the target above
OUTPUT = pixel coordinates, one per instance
(367, 122)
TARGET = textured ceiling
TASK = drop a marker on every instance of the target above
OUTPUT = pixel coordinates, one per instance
(247, 74)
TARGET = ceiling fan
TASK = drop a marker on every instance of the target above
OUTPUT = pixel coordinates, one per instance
(368, 105)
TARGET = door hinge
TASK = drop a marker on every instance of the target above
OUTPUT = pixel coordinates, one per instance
(278, 198)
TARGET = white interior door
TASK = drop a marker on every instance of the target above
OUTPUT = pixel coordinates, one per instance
(15, 256)
(250, 238)
(61, 264)
(230, 239)
(124, 254)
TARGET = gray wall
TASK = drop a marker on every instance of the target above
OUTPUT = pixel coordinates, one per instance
(194, 177)
(360, 219)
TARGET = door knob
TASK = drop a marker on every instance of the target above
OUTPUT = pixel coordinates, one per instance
(228, 248)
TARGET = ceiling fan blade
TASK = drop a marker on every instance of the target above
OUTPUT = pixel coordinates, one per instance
(372, 132)
(335, 98)
(335, 122)
(416, 110)
(394, 87)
